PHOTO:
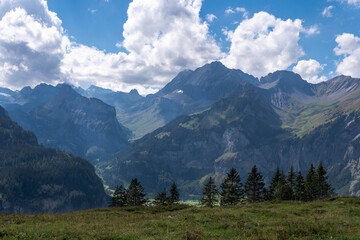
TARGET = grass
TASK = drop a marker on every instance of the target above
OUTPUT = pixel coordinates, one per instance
(337, 218)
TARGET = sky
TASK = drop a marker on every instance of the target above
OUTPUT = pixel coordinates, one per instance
(143, 44)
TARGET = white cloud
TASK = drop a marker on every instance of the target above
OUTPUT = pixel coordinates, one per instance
(264, 44)
(327, 12)
(31, 44)
(230, 10)
(348, 46)
(210, 17)
(310, 70)
(353, 2)
(160, 38)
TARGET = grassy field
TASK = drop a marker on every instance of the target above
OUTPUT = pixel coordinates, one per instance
(337, 218)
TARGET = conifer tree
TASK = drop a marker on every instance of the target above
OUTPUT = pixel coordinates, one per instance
(231, 189)
(273, 185)
(174, 194)
(299, 188)
(161, 198)
(119, 197)
(135, 193)
(290, 184)
(323, 189)
(254, 186)
(210, 194)
(280, 188)
(310, 186)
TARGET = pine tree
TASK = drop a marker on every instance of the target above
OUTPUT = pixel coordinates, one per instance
(231, 189)
(210, 194)
(323, 189)
(135, 193)
(273, 185)
(299, 188)
(290, 184)
(280, 188)
(174, 194)
(310, 186)
(161, 198)
(119, 197)
(254, 186)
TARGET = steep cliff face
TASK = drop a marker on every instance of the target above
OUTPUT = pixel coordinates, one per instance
(34, 179)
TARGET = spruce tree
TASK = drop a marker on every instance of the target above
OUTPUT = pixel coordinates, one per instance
(323, 189)
(299, 188)
(310, 186)
(270, 194)
(280, 188)
(210, 194)
(254, 186)
(290, 184)
(135, 193)
(174, 194)
(161, 198)
(119, 197)
(231, 189)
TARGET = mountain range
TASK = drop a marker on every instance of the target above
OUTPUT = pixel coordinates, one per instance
(63, 119)
(200, 124)
(281, 121)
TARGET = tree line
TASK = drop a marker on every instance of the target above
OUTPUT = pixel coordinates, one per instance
(282, 187)
(292, 186)
(134, 196)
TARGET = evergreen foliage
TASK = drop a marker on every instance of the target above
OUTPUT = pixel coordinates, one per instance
(231, 189)
(290, 185)
(135, 194)
(119, 198)
(174, 194)
(322, 188)
(281, 187)
(299, 188)
(254, 186)
(310, 185)
(210, 194)
(161, 198)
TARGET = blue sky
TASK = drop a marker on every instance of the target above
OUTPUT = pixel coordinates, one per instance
(317, 39)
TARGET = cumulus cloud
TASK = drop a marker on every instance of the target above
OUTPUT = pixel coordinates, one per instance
(348, 46)
(210, 17)
(31, 44)
(310, 70)
(160, 38)
(264, 44)
(327, 12)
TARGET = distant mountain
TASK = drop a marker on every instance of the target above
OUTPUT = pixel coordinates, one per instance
(186, 149)
(34, 179)
(63, 119)
(284, 121)
(188, 92)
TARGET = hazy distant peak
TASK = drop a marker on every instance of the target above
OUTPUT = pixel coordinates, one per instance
(134, 91)
(281, 75)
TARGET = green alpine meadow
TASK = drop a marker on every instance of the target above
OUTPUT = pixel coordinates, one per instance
(334, 218)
